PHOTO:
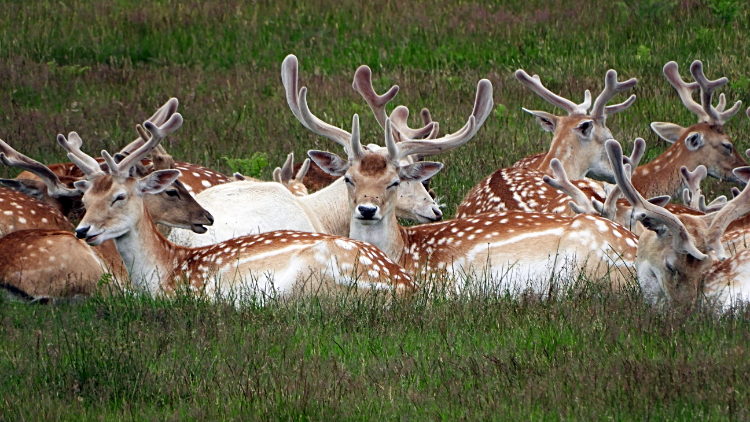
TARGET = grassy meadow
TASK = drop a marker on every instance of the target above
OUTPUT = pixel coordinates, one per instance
(99, 68)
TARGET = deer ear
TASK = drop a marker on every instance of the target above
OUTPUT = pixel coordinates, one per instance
(34, 188)
(742, 173)
(330, 163)
(82, 185)
(420, 171)
(547, 121)
(670, 132)
(660, 201)
(157, 181)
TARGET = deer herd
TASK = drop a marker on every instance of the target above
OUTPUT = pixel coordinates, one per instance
(581, 211)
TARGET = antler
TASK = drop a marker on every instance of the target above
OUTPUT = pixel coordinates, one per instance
(12, 158)
(691, 195)
(363, 85)
(535, 85)
(580, 204)
(611, 88)
(83, 161)
(422, 147)
(609, 208)
(158, 133)
(302, 172)
(284, 173)
(648, 214)
(705, 111)
(158, 118)
(297, 100)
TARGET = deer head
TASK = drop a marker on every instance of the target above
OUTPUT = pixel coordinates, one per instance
(706, 142)
(673, 253)
(285, 175)
(413, 201)
(578, 141)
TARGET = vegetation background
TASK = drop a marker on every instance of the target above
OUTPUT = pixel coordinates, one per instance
(99, 68)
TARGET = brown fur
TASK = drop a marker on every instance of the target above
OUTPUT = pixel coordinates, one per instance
(22, 212)
(315, 179)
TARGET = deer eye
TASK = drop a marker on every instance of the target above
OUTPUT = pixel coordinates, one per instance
(119, 197)
(727, 146)
(173, 193)
(394, 184)
(348, 181)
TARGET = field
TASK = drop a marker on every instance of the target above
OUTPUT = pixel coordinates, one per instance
(99, 68)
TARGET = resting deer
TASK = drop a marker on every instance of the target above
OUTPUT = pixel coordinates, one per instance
(578, 143)
(285, 175)
(243, 208)
(704, 143)
(519, 251)
(673, 259)
(277, 262)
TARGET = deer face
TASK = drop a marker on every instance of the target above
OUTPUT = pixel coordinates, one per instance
(175, 207)
(114, 205)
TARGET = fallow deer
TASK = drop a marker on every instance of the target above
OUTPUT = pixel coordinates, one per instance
(578, 143)
(517, 251)
(285, 175)
(704, 143)
(247, 267)
(243, 208)
(674, 254)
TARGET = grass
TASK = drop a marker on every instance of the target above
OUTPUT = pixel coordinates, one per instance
(100, 67)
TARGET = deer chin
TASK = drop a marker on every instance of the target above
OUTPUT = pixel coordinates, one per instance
(727, 177)
(198, 228)
(601, 175)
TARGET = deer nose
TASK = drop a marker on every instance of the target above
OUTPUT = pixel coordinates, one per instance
(367, 212)
(438, 213)
(81, 232)
(210, 218)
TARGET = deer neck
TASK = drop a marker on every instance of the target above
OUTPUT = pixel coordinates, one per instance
(331, 208)
(662, 176)
(149, 258)
(570, 157)
(385, 234)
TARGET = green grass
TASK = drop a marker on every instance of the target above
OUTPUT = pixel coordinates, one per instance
(101, 67)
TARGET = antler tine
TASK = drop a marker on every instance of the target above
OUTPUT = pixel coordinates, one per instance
(158, 133)
(297, 100)
(302, 172)
(83, 161)
(570, 107)
(611, 88)
(287, 170)
(684, 90)
(580, 204)
(12, 158)
(482, 107)
(649, 214)
(158, 118)
(714, 206)
(363, 85)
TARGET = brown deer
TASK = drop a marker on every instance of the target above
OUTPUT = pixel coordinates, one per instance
(704, 143)
(246, 267)
(674, 254)
(578, 143)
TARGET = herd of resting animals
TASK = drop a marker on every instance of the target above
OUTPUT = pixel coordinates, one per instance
(529, 228)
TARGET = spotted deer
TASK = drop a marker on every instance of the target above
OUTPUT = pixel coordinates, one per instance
(673, 260)
(704, 143)
(280, 262)
(243, 208)
(578, 143)
(516, 251)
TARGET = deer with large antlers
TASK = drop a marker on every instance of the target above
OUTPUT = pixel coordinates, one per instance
(674, 253)
(578, 143)
(519, 251)
(243, 208)
(276, 262)
(704, 143)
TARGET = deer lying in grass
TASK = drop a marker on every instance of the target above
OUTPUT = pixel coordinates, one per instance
(514, 251)
(243, 208)
(578, 143)
(53, 263)
(246, 267)
(673, 259)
